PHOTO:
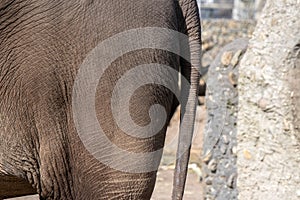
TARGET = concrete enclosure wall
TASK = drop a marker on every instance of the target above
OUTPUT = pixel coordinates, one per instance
(268, 153)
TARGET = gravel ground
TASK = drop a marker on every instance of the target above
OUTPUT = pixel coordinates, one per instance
(163, 187)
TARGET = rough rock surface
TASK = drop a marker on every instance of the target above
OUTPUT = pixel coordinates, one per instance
(219, 149)
(294, 82)
(216, 33)
(268, 149)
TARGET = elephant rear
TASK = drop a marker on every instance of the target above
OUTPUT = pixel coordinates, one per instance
(44, 44)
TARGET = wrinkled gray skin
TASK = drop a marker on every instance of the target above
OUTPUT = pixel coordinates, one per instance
(42, 44)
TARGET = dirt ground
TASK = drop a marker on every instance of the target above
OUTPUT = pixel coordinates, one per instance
(163, 187)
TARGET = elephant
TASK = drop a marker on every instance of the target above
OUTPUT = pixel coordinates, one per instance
(44, 44)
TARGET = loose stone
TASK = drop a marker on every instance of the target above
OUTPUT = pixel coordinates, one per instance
(226, 58)
(208, 181)
(207, 157)
(225, 139)
(212, 165)
(235, 58)
(230, 181)
(233, 79)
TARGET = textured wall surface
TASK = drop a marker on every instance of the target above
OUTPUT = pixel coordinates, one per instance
(268, 153)
(294, 81)
(219, 166)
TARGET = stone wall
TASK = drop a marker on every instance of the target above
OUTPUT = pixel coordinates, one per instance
(222, 51)
(268, 149)
(219, 146)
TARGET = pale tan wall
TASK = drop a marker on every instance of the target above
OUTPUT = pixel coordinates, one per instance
(268, 149)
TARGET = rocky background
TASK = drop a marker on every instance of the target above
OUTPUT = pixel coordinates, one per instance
(216, 33)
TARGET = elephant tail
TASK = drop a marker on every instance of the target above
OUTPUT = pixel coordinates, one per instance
(191, 71)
